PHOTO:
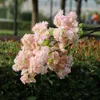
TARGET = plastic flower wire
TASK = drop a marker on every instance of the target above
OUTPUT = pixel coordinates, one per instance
(48, 48)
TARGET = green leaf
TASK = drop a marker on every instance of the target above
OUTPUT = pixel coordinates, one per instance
(80, 32)
(31, 98)
(72, 51)
(51, 31)
(66, 47)
(46, 42)
(50, 60)
(80, 25)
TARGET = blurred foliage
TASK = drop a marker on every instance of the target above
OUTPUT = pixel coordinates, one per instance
(27, 16)
(24, 22)
(9, 33)
(43, 17)
(8, 50)
(2, 1)
(88, 50)
(81, 84)
(4, 8)
(22, 25)
(3, 13)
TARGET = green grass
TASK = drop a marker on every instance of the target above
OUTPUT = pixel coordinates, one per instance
(22, 32)
(11, 32)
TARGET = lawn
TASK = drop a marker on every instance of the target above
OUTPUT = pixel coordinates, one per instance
(11, 32)
(22, 32)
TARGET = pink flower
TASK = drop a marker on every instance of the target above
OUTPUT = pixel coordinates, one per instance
(71, 21)
(61, 64)
(65, 37)
(71, 17)
(38, 63)
(69, 34)
(27, 78)
(40, 27)
(41, 32)
(28, 41)
(55, 59)
(40, 37)
(65, 21)
(62, 47)
(34, 58)
(67, 69)
(62, 73)
(22, 60)
(58, 34)
(59, 19)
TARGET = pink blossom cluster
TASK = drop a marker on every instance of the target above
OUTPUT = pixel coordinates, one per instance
(45, 49)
